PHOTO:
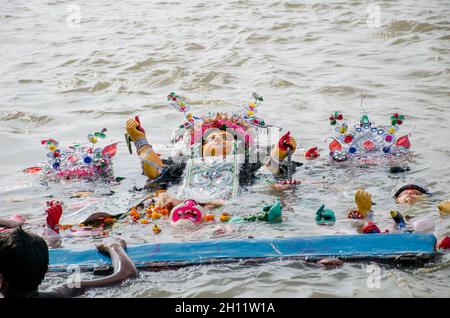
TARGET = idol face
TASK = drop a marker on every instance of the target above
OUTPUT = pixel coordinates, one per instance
(409, 196)
(218, 143)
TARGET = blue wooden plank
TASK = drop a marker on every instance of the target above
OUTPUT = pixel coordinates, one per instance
(370, 246)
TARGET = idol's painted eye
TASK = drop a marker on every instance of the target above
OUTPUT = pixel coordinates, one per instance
(227, 137)
(210, 139)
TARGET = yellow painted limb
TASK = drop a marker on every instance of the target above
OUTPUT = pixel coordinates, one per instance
(444, 207)
(363, 201)
(148, 155)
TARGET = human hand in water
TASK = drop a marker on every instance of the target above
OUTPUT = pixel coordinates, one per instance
(165, 201)
(134, 130)
(285, 143)
(105, 247)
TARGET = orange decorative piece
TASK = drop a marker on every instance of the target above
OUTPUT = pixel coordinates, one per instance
(225, 217)
(65, 226)
(135, 214)
(155, 215)
(162, 211)
(208, 218)
(144, 221)
(165, 211)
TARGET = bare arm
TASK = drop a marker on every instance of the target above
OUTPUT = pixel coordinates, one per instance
(123, 269)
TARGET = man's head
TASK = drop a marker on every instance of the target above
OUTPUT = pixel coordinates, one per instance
(218, 143)
(23, 262)
(410, 193)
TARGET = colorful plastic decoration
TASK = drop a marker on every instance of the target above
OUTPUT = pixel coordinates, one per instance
(363, 201)
(325, 216)
(397, 119)
(399, 220)
(208, 218)
(273, 212)
(94, 137)
(93, 226)
(355, 215)
(270, 213)
(177, 103)
(367, 141)
(78, 161)
(188, 210)
(312, 153)
(225, 217)
(334, 118)
(249, 113)
(32, 170)
(194, 129)
(370, 228)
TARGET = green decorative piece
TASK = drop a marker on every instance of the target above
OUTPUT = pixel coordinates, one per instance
(128, 141)
(101, 133)
(270, 213)
(325, 216)
(364, 119)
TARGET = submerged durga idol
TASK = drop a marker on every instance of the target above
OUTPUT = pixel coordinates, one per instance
(217, 154)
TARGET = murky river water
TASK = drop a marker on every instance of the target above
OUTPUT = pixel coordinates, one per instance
(68, 69)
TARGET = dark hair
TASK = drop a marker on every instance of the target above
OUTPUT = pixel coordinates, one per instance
(23, 260)
(410, 187)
